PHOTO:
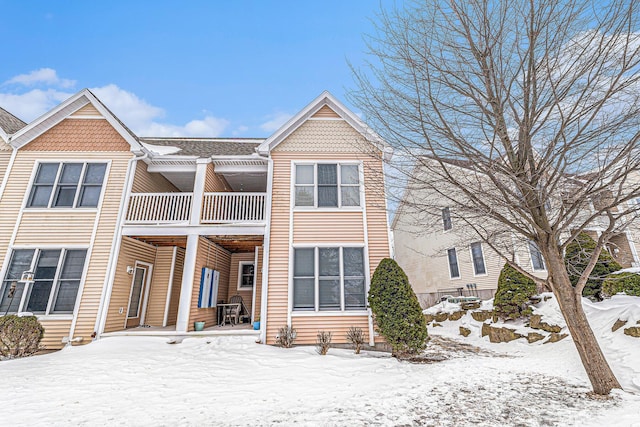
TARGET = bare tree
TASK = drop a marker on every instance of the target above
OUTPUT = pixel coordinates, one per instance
(538, 102)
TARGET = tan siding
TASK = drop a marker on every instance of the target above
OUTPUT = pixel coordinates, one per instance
(307, 328)
(216, 257)
(320, 227)
(159, 286)
(214, 182)
(247, 295)
(259, 283)
(79, 135)
(54, 330)
(148, 182)
(54, 227)
(4, 161)
(87, 110)
(175, 289)
(131, 250)
(331, 140)
(325, 112)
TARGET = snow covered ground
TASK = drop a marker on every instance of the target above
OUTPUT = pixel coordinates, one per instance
(233, 381)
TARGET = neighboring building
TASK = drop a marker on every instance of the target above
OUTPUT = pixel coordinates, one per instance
(441, 255)
(114, 231)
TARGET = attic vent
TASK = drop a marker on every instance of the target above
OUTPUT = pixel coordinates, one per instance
(325, 112)
(87, 110)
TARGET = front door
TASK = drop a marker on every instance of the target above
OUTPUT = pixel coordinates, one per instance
(138, 296)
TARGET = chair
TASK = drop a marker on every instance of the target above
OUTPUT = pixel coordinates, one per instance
(242, 313)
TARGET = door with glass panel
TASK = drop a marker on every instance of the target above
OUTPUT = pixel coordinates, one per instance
(138, 296)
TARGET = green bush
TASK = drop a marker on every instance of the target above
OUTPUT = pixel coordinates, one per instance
(512, 298)
(629, 283)
(19, 336)
(396, 309)
(576, 259)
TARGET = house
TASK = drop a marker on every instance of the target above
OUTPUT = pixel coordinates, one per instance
(103, 231)
(442, 254)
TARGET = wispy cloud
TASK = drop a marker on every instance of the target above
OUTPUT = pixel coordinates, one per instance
(143, 118)
(46, 76)
(275, 121)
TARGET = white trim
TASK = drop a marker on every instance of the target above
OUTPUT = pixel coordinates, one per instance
(94, 233)
(292, 199)
(255, 277)
(143, 315)
(632, 246)
(186, 289)
(544, 264)
(244, 229)
(473, 264)
(107, 286)
(339, 163)
(240, 265)
(144, 292)
(7, 173)
(455, 251)
(265, 255)
(326, 119)
(167, 303)
(81, 117)
(365, 254)
(327, 313)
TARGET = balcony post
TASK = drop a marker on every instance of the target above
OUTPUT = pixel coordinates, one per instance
(186, 291)
(198, 190)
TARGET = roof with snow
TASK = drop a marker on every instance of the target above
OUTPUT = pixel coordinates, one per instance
(10, 123)
(205, 147)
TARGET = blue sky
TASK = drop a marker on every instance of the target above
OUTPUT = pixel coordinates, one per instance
(193, 68)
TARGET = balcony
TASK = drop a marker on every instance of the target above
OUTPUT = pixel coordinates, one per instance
(176, 208)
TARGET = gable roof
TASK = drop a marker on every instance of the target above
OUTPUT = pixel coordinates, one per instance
(62, 111)
(325, 99)
(206, 147)
(9, 124)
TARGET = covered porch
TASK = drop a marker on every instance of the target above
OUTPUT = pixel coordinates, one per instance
(163, 285)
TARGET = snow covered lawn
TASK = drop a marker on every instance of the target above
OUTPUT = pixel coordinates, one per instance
(233, 381)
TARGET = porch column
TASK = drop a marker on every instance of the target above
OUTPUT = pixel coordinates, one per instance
(198, 190)
(186, 291)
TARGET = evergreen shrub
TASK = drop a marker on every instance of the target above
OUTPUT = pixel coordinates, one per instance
(629, 283)
(19, 336)
(513, 296)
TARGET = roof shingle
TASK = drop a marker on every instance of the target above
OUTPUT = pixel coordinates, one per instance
(10, 123)
(206, 147)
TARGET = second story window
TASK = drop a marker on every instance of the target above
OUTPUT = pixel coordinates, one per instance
(67, 185)
(478, 259)
(537, 261)
(446, 219)
(327, 185)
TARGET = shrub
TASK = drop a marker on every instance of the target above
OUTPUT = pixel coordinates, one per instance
(356, 337)
(323, 342)
(629, 283)
(576, 259)
(286, 336)
(19, 336)
(513, 295)
(396, 309)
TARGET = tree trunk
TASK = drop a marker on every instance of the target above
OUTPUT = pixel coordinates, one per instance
(598, 370)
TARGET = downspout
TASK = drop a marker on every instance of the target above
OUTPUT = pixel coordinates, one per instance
(265, 255)
(107, 287)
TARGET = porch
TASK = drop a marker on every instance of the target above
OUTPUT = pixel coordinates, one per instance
(243, 329)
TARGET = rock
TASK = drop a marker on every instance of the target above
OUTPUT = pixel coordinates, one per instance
(547, 297)
(441, 317)
(555, 337)
(436, 324)
(457, 315)
(465, 332)
(497, 335)
(535, 299)
(429, 318)
(470, 305)
(633, 331)
(534, 336)
(536, 322)
(482, 315)
(619, 324)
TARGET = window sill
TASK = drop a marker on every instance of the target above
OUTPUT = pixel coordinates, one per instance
(63, 210)
(327, 313)
(246, 289)
(314, 209)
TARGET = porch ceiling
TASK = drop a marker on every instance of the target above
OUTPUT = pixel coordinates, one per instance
(180, 241)
(238, 243)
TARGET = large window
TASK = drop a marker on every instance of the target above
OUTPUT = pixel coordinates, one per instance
(446, 219)
(328, 279)
(454, 271)
(327, 185)
(56, 279)
(478, 259)
(67, 185)
(537, 261)
(246, 273)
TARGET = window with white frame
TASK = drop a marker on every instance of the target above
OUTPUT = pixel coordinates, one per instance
(328, 278)
(446, 219)
(56, 279)
(537, 261)
(246, 271)
(327, 185)
(67, 185)
(452, 256)
(478, 259)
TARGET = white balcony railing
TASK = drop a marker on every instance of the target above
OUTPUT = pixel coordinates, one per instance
(220, 208)
(157, 208)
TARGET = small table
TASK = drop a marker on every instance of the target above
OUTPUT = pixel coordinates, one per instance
(223, 310)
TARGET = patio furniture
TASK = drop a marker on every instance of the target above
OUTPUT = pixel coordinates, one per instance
(229, 313)
(242, 314)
